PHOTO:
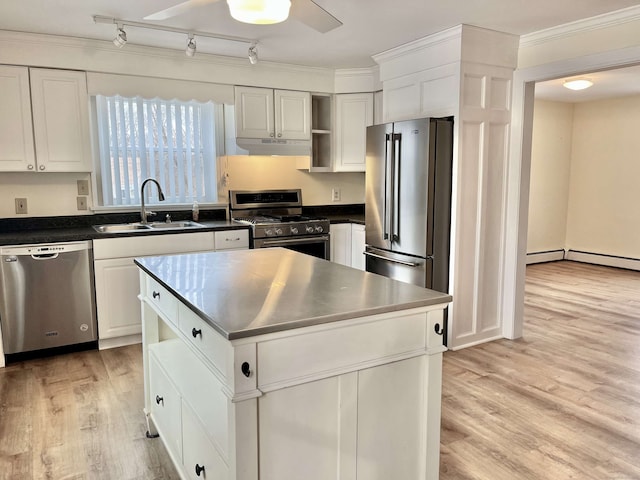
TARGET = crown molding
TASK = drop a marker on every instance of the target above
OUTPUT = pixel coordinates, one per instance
(419, 45)
(598, 22)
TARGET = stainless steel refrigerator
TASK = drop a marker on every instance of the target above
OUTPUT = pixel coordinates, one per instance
(408, 201)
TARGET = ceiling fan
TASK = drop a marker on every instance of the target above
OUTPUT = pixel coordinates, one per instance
(306, 11)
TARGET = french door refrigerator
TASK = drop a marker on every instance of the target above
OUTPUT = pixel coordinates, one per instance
(408, 201)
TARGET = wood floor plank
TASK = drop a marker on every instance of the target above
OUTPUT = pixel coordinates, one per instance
(563, 402)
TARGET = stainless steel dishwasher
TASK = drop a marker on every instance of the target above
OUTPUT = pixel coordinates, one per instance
(46, 297)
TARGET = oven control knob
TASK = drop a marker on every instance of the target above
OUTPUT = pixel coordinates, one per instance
(319, 229)
(278, 231)
(268, 232)
(308, 229)
(294, 230)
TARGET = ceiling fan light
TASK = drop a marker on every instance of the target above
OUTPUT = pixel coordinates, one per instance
(259, 12)
(577, 84)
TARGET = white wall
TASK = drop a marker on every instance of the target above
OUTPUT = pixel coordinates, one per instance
(604, 200)
(584, 177)
(257, 172)
(550, 168)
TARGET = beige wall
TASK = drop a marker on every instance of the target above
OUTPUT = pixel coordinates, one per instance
(604, 198)
(597, 191)
(256, 172)
(550, 167)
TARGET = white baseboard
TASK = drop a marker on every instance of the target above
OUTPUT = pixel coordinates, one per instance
(604, 260)
(542, 257)
(103, 344)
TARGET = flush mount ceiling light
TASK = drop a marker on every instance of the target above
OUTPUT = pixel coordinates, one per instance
(253, 54)
(577, 84)
(191, 47)
(121, 37)
(260, 12)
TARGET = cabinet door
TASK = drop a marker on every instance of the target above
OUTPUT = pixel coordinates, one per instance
(254, 112)
(357, 246)
(293, 115)
(201, 459)
(16, 134)
(340, 245)
(60, 120)
(354, 113)
(117, 304)
(165, 407)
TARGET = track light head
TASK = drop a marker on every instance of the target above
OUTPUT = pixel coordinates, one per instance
(121, 37)
(191, 47)
(253, 54)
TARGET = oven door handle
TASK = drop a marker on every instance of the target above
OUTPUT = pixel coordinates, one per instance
(297, 241)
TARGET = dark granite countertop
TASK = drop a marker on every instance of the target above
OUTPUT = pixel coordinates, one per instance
(338, 213)
(253, 292)
(23, 231)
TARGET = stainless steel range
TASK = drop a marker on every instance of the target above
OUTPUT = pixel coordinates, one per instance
(277, 221)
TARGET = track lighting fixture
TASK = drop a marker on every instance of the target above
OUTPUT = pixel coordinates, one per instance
(121, 37)
(191, 47)
(253, 54)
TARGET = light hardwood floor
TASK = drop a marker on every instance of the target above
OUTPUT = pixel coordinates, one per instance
(561, 403)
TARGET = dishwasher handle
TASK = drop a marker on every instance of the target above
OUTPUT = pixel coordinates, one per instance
(45, 256)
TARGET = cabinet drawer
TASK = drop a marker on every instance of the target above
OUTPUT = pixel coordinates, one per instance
(161, 299)
(231, 239)
(319, 354)
(199, 454)
(165, 407)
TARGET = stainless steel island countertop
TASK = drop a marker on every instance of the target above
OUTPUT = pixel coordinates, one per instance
(245, 293)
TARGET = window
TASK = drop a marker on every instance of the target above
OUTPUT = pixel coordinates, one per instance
(171, 141)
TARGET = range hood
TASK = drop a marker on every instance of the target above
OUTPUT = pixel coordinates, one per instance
(273, 146)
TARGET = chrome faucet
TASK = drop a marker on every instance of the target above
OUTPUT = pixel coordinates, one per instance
(143, 212)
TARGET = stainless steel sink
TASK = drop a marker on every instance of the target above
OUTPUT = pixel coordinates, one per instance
(175, 225)
(121, 228)
(136, 227)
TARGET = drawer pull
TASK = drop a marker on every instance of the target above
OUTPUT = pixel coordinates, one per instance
(156, 294)
(195, 333)
(246, 369)
(438, 330)
(159, 400)
(199, 469)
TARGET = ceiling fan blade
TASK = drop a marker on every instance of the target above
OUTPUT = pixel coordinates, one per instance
(313, 15)
(178, 9)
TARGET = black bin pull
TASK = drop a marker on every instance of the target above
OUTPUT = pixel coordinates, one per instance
(199, 469)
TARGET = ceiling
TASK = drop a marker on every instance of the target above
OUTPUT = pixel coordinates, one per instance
(369, 26)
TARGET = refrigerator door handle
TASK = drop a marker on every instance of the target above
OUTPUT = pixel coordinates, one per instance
(386, 216)
(394, 260)
(395, 181)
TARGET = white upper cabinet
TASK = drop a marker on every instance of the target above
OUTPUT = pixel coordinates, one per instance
(50, 106)
(61, 120)
(267, 113)
(16, 132)
(354, 113)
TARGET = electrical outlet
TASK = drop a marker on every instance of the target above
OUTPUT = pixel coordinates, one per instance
(21, 205)
(82, 203)
(335, 194)
(83, 187)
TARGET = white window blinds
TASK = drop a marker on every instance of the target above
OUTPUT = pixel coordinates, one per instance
(171, 141)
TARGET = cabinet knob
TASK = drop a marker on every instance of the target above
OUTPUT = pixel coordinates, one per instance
(195, 332)
(156, 294)
(41, 167)
(29, 167)
(271, 135)
(246, 369)
(438, 329)
(279, 135)
(159, 400)
(199, 469)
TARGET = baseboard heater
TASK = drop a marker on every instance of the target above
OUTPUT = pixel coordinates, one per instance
(584, 257)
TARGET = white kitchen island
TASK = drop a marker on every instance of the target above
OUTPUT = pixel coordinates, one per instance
(273, 365)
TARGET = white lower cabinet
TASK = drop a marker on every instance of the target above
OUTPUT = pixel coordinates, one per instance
(351, 400)
(117, 281)
(347, 244)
